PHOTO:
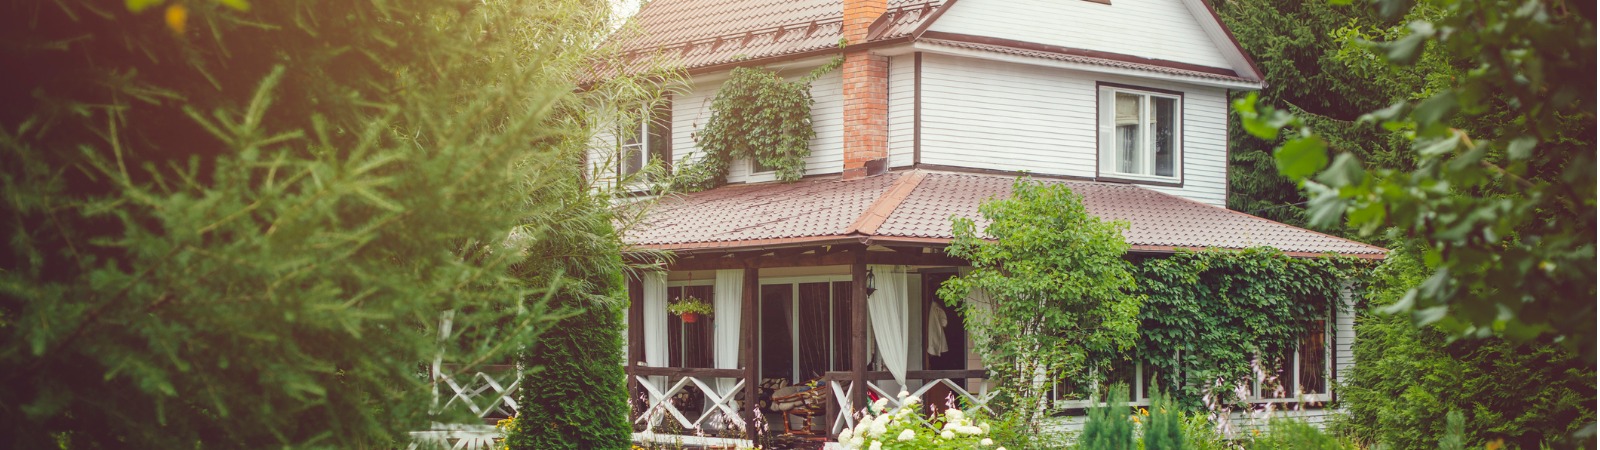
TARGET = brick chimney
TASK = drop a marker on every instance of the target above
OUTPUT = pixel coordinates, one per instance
(866, 95)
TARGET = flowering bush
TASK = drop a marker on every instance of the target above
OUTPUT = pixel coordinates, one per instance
(908, 429)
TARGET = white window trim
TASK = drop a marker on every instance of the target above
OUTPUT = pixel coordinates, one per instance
(643, 134)
(1107, 126)
(1138, 386)
(1327, 375)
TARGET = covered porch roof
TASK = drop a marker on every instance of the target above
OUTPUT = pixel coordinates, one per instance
(914, 207)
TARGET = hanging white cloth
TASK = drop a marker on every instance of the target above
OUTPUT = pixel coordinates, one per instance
(655, 323)
(728, 295)
(890, 318)
(937, 320)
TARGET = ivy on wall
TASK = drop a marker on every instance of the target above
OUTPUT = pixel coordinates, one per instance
(758, 115)
(1208, 315)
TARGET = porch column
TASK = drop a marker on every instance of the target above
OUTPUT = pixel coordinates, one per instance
(858, 330)
(748, 327)
(635, 337)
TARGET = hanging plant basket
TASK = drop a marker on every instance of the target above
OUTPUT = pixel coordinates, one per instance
(689, 308)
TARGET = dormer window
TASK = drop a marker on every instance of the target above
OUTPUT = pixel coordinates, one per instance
(1141, 134)
(645, 140)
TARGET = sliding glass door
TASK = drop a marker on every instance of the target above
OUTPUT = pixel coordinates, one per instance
(805, 329)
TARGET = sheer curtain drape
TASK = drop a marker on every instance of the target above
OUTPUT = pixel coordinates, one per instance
(655, 323)
(890, 317)
(729, 301)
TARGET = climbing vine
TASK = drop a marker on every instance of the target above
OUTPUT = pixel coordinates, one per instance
(1208, 315)
(756, 114)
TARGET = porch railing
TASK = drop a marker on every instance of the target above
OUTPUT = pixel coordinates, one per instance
(486, 392)
(661, 387)
(844, 413)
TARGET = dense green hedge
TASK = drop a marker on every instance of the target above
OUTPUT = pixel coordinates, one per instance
(1409, 379)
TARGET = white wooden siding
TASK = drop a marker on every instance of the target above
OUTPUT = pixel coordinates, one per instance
(1344, 335)
(691, 112)
(1007, 116)
(902, 110)
(1160, 29)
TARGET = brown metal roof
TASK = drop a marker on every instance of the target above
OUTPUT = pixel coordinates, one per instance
(702, 33)
(918, 205)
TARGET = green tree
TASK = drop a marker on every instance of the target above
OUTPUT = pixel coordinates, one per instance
(1410, 379)
(1061, 302)
(1505, 212)
(575, 396)
(235, 224)
(1109, 425)
(1164, 428)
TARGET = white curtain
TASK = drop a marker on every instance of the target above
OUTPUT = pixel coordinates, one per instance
(728, 301)
(890, 318)
(655, 323)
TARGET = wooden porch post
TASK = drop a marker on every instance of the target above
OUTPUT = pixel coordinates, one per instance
(635, 337)
(858, 329)
(747, 349)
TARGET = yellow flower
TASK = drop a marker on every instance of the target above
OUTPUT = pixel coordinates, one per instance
(177, 18)
(1144, 412)
(1496, 444)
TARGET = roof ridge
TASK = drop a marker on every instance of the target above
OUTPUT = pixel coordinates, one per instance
(879, 211)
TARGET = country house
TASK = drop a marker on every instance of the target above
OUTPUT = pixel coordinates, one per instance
(822, 290)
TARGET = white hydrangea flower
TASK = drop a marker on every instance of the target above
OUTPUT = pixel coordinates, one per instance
(947, 434)
(986, 442)
(844, 436)
(984, 426)
(970, 430)
(878, 429)
(908, 435)
(954, 414)
(913, 400)
(876, 446)
(904, 393)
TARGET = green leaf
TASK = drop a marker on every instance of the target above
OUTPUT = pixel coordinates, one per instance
(1435, 109)
(1345, 171)
(1301, 157)
(240, 5)
(137, 6)
(1521, 148)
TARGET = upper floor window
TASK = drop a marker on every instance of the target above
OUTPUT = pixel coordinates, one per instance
(1141, 134)
(646, 139)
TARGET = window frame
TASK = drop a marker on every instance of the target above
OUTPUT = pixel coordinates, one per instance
(1257, 396)
(651, 114)
(1105, 123)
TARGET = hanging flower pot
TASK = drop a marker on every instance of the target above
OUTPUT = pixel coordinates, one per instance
(689, 309)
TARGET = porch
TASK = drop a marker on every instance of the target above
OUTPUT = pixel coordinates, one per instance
(811, 333)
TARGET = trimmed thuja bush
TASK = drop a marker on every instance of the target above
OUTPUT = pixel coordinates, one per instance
(573, 394)
(1109, 426)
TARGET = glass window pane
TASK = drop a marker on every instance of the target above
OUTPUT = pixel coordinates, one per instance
(1278, 377)
(698, 340)
(632, 159)
(813, 330)
(1129, 143)
(776, 348)
(1164, 117)
(1313, 359)
(841, 325)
